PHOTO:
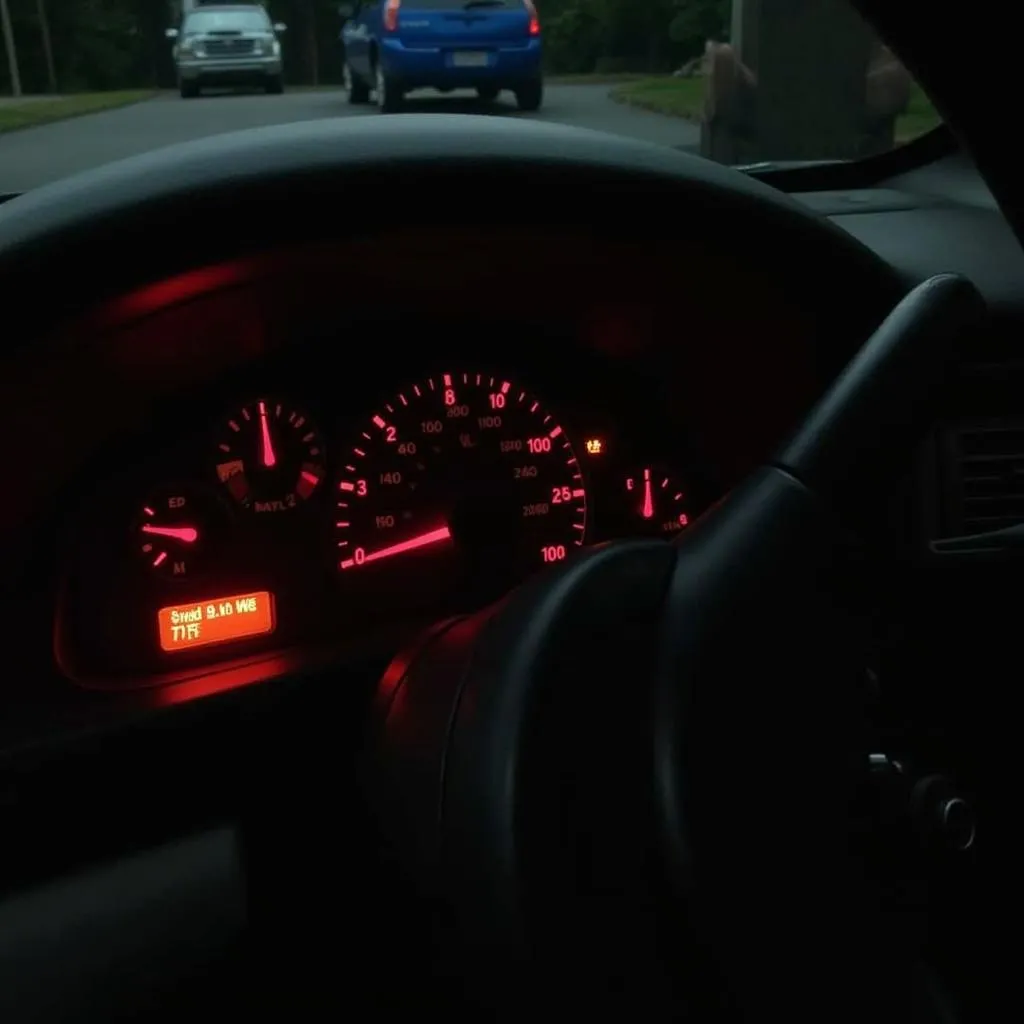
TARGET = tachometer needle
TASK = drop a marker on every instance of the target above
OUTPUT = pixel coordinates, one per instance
(186, 534)
(269, 459)
(422, 541)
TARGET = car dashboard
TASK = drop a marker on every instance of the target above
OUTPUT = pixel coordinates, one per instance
(274, 471)
(336, 507)
(299, 459)
(312, 451)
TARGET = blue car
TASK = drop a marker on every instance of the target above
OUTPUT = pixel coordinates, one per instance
(395, 46)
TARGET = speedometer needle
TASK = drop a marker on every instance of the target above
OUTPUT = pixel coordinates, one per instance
(186, 534)
(423, 540)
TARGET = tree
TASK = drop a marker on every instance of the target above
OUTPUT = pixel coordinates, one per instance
(697, 21)
(44, 31)
(12, 53)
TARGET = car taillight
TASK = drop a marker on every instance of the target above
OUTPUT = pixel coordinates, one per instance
(534, 18)
(391, 15)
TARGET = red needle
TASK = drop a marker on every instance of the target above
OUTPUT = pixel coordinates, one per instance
(422, 541)
(269, 459)
(187, 534)
(648, 510)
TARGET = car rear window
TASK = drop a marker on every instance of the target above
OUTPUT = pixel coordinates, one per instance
(456, 5)
(227, 21)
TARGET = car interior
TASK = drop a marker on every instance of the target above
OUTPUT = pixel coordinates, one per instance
(680, 687)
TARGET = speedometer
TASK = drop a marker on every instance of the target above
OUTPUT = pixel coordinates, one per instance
(466, 477)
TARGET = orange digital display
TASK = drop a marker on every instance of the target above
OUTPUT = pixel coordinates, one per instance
(185, 626)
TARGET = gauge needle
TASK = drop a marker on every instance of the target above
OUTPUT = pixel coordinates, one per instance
(269, 459)
(648, 510)
(186, 534)
(422, 541)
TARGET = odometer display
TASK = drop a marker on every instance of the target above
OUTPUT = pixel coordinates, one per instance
(465, 476)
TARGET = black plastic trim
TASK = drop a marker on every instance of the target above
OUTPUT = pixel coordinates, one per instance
(856, 174)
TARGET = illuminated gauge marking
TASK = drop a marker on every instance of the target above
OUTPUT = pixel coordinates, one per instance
(176, 528)
(463, 476)
(655, 502)
(270, 457)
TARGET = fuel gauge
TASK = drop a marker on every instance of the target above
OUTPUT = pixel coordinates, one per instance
(655, 502)
(176, 528)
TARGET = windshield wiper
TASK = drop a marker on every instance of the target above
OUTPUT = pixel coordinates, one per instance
(784, 165)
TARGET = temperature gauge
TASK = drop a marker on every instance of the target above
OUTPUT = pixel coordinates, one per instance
(175, 529)
(656, 502)
(270, 457)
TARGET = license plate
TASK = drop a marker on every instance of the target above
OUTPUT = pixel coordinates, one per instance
(469, 59)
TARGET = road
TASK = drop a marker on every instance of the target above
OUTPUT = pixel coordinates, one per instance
(34, 156)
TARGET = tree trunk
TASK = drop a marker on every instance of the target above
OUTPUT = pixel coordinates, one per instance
(312, 45)
(12, 53)
(44, 29)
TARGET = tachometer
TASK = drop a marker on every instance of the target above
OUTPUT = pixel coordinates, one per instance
(464, 475)
(269, 456)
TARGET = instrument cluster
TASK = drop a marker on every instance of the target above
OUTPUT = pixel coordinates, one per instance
(272, 529)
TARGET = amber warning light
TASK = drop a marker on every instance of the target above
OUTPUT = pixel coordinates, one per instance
(184, 626)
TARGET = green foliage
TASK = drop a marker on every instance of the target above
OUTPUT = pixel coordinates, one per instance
(628, 35)
(695, 21)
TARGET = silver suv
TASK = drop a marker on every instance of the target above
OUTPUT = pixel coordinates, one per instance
(227, 45)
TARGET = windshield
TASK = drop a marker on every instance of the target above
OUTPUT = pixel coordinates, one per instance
(255, 20)
(741, 82)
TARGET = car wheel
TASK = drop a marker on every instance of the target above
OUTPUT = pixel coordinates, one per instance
(188, 90)
(358, 91)
(275, 86)
(487, 93)
(389, 96)
(530, 95)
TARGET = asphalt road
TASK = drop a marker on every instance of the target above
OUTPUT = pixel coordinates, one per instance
(34, 156)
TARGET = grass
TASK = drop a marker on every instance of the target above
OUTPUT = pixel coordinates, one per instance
(920, 117)
(38, 110)
(594, 78)
(684, 97)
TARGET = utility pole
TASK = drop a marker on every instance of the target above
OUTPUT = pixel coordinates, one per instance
(44, 28)
(12, 55)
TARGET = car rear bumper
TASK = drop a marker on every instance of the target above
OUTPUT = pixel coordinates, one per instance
(230, 72)
(423, 66)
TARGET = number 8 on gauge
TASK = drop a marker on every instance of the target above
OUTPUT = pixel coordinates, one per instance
(463, 470)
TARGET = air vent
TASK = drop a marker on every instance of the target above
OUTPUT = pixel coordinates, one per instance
(986, 468)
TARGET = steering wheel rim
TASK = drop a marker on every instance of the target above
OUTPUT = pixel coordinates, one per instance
(283, 185)
(747, 808)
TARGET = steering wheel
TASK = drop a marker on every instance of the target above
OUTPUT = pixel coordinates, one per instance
(629, 784)
(660, 735)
